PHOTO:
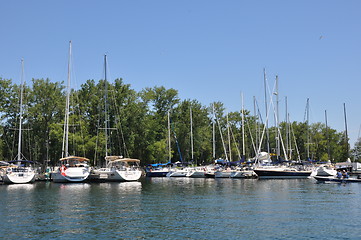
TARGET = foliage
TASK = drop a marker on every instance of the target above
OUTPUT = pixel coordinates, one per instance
(110, 118)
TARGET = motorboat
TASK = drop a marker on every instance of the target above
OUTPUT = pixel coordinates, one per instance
(326, 170)
(335, 179)
(243, 173)
(223, 173)
(196, 172)
(178, 172)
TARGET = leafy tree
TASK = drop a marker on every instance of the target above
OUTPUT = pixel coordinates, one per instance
(46, 107)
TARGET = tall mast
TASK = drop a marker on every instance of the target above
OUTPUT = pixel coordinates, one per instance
(105, 106)
(287, 128)
(328, 138)
(214, 132)
(229, 140)
(65, 149)
(21, 109)
(308, 128)
(256, 120)
(190, 112)
(169, 144)
(346, 135)
(277, 121)
(243, 143)
(265, 99)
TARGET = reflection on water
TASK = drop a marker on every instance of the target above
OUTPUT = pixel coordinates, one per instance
(73, 186)
(17, 187)
(130, 187)
(182, 208)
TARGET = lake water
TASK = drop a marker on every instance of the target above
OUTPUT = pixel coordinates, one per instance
(182, 208)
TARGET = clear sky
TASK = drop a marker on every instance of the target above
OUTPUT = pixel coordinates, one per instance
(209, 50)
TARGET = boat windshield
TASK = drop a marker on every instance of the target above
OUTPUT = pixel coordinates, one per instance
(74, 162)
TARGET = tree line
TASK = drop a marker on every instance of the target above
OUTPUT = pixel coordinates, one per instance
(113, 117)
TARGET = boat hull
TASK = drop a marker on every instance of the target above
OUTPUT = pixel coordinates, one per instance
(223, 174)
(19, 178)
(266, 173)
(71, 175)
(196, 174)
(116, 176)
(334, 179)
(243, 174)
(156, 173)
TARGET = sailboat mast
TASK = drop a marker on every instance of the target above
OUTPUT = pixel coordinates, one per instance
(265, 100)
(65, 150)
(287, 128)
(105, 106)
(277, 121)
(308, 128)
(346, 135)
(214, 132)
(255, 120)
(169, 144)
(243, 142)
(190, 114)
(328, 138)
(229, 140)
(21, 109)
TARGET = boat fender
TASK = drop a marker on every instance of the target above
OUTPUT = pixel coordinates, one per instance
(62, 170)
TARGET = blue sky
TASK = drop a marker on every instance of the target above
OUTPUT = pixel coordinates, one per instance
(206, 49)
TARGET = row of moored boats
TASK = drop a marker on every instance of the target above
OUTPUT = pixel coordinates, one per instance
(119, 169)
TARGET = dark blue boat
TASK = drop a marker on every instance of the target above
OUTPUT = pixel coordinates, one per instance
(281, 173)
(158, 169)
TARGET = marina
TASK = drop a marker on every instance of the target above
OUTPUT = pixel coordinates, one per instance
(180, 120)
(182, 208)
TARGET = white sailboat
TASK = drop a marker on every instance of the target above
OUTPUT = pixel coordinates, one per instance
(20, 170)
(193, 172)
(72, 168)
(117, 168)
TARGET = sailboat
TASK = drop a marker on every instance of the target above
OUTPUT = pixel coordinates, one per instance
(161, 169)
(117, 168)
(72, 168)
(281, 171)
(19, 170)
(241, 171)
(194, 172)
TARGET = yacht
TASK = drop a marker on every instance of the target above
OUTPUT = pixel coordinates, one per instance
(72, 169)
(281, 172)
(19, 171)
(118, 169)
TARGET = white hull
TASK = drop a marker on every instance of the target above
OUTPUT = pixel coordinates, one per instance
(71, 174)
(243, 174)
(177, 173)
(19, 177)
(326, 172)
(116, 175)
(196, 172)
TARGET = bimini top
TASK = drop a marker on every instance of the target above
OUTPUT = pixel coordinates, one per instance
(80, 159)
(120, 159)
(2, 163)
(21, 161)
